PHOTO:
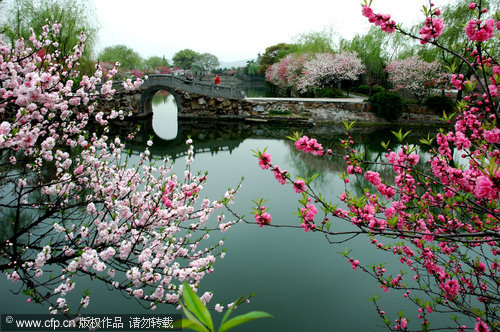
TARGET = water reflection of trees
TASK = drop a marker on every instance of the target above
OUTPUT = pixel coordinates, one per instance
(161, 97)
(214, 136)
(367, 141)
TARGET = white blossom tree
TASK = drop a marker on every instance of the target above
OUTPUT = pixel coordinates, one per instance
(329, 70)
(415, 76)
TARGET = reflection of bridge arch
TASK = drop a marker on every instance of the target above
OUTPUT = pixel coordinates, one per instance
(146, 102)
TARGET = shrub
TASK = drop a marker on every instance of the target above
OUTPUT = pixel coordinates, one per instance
(377, 89)
(328, 93)
(363, 88)
(387, 105)
(439, 104)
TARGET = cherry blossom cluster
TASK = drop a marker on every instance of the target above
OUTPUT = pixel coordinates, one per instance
(433, 27)
(313, 71)
(437, 208)
(382, 20)
(476, 30)
(328, 69)
(415, 75)
(85, 207)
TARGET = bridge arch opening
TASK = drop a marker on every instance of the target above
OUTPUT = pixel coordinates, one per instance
(164, 108)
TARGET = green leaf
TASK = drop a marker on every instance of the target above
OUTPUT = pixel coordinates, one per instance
(188, 324)
(348, 126)
(230, 310)
(191, 317)
(241, 319)
(197, 307)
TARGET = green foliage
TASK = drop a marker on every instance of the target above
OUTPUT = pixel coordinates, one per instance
(206, 62)
(387, 105)
(365, 89)
(370, 49)
(440, 104)
(156, 61)
(313, 42)
(328, 92)
(252, 68)
(272, 55)
(74, 16)
(127, 57)
(199, 318)
(185, 58)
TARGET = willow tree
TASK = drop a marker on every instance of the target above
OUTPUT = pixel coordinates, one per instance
(75, 16)
(371, 50)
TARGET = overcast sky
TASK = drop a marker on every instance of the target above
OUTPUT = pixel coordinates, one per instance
(234, 30)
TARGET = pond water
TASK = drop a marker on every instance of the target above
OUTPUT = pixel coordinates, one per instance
(298, 277)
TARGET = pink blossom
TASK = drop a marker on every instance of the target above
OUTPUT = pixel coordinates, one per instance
(451, 288)
(475, 32)
(481, 326)
(308, 212)
(264, 160)
(492, 136)
(373, 178)
(79, 170)
(299, 186)
(301, 143)
(354, 263)
(280, 175)
(485, 188)
(404, 323)
(263, 219)
(432, 29)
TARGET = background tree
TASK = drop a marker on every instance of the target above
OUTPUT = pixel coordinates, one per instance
(314, 42)
(127, 57)
(272, 55)
(370, 49)
(185, 58)
(75, 16)
(155, 62)
(329, 70)
(415, 76)
(206, 62)
(252, 68)
(73, 207)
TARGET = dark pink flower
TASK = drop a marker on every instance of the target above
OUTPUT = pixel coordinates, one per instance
(264, 160)
(309, 212)
(299, 186)
(481, 326)
(367, 11)
(263, 219)
(492, 136)
(485, 188)
(280, 175)
(450, 288)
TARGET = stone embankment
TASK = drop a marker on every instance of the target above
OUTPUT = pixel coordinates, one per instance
(303, 111)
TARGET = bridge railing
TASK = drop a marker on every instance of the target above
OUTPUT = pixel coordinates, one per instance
(193, 86)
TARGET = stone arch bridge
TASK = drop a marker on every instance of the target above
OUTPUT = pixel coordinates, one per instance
(180, 88)
(197, 100)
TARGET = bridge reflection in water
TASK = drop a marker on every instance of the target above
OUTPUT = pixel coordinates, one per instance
(165, 115)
